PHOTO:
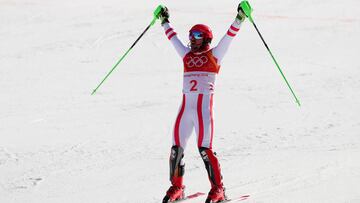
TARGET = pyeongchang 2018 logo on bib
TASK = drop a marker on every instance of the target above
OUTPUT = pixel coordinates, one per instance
(197, 61)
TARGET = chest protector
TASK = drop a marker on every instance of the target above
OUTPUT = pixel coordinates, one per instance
(199, 72)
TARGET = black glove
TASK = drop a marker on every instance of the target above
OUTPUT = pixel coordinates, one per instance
(241, 14)
(164, 15)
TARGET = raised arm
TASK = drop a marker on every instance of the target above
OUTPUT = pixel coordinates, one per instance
(220, 50)
(180, 48)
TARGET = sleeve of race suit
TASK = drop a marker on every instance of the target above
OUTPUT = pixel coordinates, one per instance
(180, 48)
(220, 50)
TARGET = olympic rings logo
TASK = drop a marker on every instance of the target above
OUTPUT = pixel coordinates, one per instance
(197, 61)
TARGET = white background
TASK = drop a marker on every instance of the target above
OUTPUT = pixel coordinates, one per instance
(60, 144)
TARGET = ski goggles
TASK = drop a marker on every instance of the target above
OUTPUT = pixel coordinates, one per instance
(196, 35)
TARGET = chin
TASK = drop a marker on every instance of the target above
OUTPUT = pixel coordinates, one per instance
(198, 49)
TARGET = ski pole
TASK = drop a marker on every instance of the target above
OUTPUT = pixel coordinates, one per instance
(156, 16)
(247, 10)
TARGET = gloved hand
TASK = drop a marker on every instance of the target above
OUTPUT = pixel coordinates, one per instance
(241, 14)
(164, 15)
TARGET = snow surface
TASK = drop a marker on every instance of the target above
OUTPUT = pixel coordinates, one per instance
(59, 144)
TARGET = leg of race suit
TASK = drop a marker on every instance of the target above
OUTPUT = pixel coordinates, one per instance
(212, 166)
(177, 168)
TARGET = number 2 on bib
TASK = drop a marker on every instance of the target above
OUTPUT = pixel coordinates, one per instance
(194, 84)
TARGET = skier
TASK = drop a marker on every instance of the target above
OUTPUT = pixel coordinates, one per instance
(201, 65)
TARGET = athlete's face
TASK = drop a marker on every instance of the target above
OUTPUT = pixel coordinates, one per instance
(196, 40)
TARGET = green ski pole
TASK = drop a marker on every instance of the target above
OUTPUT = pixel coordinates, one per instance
(247, 10)
(156, 15)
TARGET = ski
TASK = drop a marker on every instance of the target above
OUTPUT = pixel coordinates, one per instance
(237, 199)
(195, 195)
(192, 196)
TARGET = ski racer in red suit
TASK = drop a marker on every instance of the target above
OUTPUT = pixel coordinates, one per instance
(201, 65)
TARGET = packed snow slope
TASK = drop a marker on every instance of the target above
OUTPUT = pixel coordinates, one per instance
(60, 144)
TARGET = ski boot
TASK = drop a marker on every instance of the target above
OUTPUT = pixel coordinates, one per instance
(216, 195)
(177, 170)
(174, 193)
(217, 192)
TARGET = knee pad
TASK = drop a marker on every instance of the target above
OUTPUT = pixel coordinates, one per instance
(177, 167)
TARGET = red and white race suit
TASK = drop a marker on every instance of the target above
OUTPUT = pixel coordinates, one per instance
(200, 70)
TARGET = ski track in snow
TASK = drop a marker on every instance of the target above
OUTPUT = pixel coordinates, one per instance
(59, 144)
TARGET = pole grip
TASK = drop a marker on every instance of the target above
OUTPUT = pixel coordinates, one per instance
(245, 5)
(157, 12)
